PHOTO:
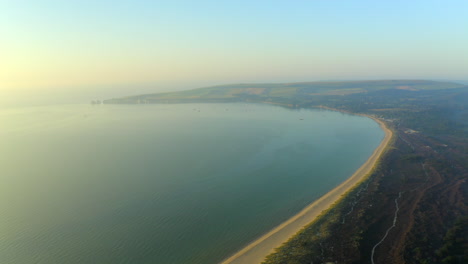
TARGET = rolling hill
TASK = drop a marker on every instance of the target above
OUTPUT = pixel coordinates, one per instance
(279, 92)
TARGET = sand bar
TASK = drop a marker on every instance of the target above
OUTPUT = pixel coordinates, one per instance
(256, 251)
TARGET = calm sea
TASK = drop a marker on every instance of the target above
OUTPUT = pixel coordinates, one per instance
(167, 184)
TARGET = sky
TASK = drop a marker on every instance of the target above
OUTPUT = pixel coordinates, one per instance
(135, 46)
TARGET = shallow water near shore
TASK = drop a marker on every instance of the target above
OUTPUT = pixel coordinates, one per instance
(188, 183)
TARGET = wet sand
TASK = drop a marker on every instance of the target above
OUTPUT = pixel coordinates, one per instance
(256, 251)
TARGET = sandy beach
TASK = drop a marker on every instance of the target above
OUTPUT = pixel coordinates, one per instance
(256, 251)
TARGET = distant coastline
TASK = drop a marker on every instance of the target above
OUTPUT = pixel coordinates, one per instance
(256, 251)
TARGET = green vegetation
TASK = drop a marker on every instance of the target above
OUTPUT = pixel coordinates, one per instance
(455, 247)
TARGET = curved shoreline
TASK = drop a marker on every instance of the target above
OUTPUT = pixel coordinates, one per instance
(256, 251)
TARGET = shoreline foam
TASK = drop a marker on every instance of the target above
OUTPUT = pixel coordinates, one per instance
(256, 251)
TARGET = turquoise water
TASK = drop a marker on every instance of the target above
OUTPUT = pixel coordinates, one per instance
(188, 183)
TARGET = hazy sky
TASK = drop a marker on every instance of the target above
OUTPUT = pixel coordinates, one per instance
(156, 45)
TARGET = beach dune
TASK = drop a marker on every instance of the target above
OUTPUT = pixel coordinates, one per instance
(256, 251)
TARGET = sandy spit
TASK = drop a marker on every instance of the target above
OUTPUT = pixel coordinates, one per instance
(256, 251)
